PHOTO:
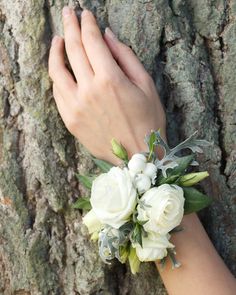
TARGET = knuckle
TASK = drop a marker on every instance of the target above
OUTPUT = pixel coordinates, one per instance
(110, 80)
(51, 72)
(126, 48)
(52, 66)
(71, 125)
(147, 79)
(86, 93)
(73, 44)
(67, 22)
(73, 121)
(90, 35)
(105, 80)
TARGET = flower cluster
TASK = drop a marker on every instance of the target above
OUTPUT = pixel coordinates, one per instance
(136, 207)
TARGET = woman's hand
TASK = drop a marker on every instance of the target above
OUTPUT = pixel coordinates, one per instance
(113, 95)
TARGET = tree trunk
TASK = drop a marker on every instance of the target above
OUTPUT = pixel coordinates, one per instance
(189, 48)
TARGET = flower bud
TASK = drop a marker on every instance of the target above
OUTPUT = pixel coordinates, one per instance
(95, 236)
(192, 178)
(137, 163)
(92, 222)
(150, 170)
(133, 261)
(143, 183)
(124, 253)
(119, 150)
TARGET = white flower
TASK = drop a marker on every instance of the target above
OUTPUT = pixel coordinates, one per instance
(151, 171)
(154, 247)
(113, 197)
(142, 183)
(92, 222)
(137, 163)
(162, 207)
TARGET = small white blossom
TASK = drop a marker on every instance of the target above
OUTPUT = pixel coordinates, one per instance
(151, 171)
(154, 247)
(137, 163)
(142, 183)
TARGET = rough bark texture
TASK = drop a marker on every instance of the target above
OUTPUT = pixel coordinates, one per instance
(190, 49)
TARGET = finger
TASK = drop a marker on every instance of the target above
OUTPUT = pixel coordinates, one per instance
(126, 58)
(97, 51)
(58, 98)
(57, 69)
(74, 48)
(62, 105)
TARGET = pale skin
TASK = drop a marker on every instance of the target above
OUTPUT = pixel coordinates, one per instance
(112, 96)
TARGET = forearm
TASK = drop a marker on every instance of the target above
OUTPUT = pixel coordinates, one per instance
(202, 270)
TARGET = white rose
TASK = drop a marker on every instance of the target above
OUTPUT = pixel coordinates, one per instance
(154, 247)
(137, 163)
(92, 222)
(113, 197)
(163, 207)
(151, 171)
(142, 183)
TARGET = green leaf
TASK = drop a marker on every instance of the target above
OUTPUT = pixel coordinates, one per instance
(137, 234)
(134, 262)
(86, 180)
(82, 203)
(142, 222)
(183, 164)
(175, 173)
(103, 165)
(151, 144)
(169, 179)
(194, 200)
(176, 229)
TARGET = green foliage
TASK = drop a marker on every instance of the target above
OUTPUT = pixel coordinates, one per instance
(173, 179)
(194, 200)
(169, 160)
(103, 165)
(137, 234)
(82, 203)
(183, 164)
(173, 175)
(86, 180)
(151, 142)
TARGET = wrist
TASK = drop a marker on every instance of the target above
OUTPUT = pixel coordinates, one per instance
(132, 147)
(140, 146)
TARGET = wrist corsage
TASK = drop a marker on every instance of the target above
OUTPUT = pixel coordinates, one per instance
(136, 207)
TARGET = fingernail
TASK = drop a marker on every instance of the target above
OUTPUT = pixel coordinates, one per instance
(110, 34)
(66, 11)
(55, 39)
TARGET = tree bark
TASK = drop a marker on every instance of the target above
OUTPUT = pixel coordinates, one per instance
(189, 48)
